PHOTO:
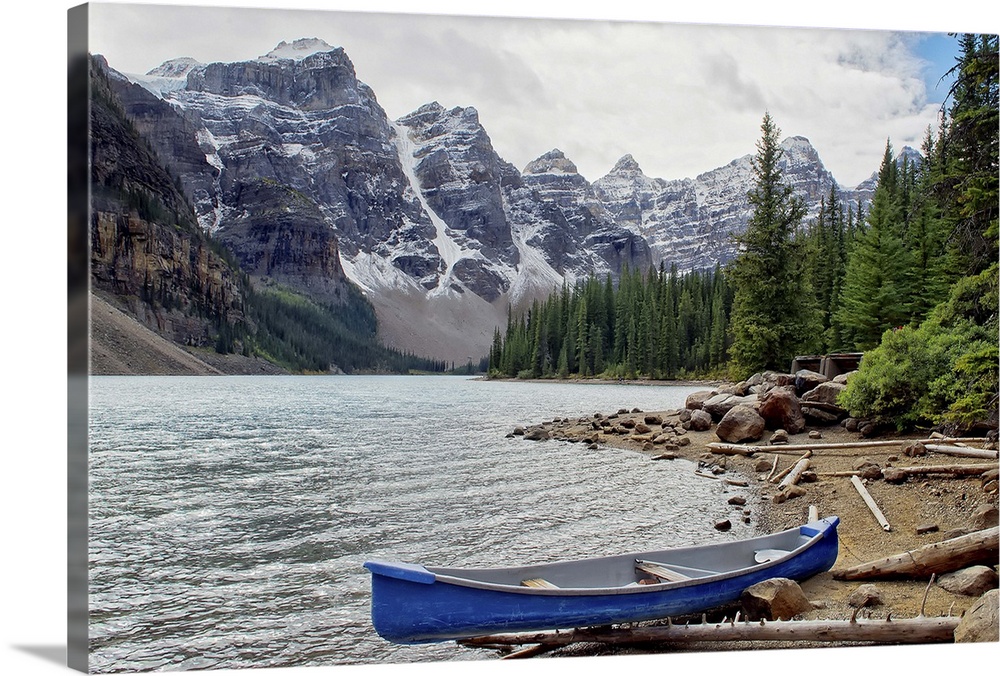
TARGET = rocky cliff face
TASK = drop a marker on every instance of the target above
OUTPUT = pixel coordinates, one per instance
(146, 248)
(689, 222)
(291, 161)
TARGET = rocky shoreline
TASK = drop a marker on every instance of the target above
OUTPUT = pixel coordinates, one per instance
(745, 434)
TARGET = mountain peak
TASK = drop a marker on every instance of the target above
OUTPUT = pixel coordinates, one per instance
(552, 162)
(297, 50)
(626, 165)
(174, 67)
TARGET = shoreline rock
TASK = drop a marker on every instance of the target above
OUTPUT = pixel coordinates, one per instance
(949, 503)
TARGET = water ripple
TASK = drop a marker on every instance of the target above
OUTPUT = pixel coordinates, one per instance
(230, 517)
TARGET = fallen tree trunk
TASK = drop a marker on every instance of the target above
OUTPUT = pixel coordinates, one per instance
(785, 472)
(916, 630)
(774, 467)
(870, 501)
(733, 449)
(933, 559)
(796, 474)
(963, 451)
(894, 473)
(749, 450)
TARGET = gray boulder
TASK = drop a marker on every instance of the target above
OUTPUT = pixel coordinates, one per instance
(806, 380)
(721, 404)
(780, 410)
(740, 423)
(695, 400)
(844, 377)
(865, 595)
(985, 516)
(822, 416)
(537, 433)
(824, 393)
(777, 598)
(971, 581)
(981, 623)
(700, 421)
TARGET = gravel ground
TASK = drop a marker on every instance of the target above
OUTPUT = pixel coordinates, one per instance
(948, 503)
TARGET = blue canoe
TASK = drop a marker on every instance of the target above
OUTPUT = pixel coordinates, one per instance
(416, 604)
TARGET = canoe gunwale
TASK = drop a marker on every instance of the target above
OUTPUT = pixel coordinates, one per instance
(815, 536)
(412, 604)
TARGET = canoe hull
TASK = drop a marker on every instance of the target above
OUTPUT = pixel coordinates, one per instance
(412, 605)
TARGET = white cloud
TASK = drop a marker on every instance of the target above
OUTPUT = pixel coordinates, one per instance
(681, 98)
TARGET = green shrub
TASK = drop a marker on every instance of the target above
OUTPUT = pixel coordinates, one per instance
(944, 371)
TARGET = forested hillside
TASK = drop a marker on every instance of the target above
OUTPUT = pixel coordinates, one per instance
(151, 260)
(912, 282)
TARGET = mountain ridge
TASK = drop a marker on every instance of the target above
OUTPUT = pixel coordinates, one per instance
(441, 233)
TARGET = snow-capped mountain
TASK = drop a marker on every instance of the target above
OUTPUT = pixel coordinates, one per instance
(291, 162)
(688, 222)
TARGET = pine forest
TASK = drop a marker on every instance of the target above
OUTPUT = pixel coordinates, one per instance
(911, 281)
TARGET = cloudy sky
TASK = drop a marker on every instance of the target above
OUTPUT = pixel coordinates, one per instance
(682, 98)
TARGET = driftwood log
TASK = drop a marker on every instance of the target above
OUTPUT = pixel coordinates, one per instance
(916, 630)
(937, 558)
(793, 477)
(963, 451)
(733, 449)
(872, 505)
(954, 470)
(774, 467)
(791, 468)
(720, 447)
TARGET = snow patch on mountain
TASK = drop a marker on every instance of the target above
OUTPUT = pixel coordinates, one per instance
(448, 248)
(296, 50)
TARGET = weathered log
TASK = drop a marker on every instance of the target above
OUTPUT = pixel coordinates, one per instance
(793, 477)
(788, 470)
(539, 649)
(958, 470)
(774, 467)
(915, 630)
(823, 406)
(963, 451)
(870, 501)
(933, 559)
(733, 449)
(937, 437)
(831, 446)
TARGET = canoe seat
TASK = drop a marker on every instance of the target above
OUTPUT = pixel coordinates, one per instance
(538, 583)
(766, 555)
(661, 571)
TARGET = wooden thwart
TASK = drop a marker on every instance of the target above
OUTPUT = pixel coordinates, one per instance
(661, 571)
(538, 583)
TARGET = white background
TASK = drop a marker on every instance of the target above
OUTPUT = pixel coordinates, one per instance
(32, 279)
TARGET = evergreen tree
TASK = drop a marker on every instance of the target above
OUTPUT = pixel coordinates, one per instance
(772, 315)
(967, 186)
(926, 239)
(875, 288)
